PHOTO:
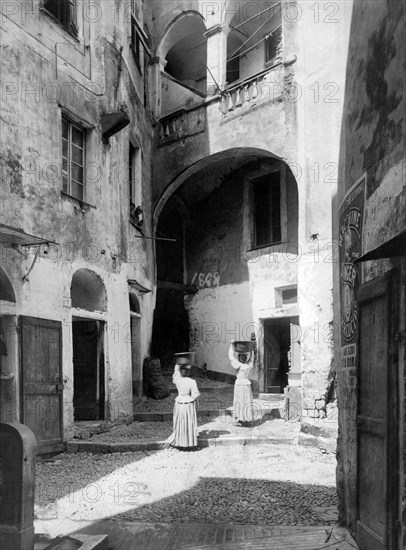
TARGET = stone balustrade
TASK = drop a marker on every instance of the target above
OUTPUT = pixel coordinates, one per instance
(265, 86)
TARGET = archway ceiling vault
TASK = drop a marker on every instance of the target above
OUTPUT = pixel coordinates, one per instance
(205, 181)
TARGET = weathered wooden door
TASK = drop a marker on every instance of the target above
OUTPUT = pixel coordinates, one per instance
(41, 377)
(376, 422)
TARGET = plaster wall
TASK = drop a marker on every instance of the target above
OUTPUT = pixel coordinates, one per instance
(174, 96)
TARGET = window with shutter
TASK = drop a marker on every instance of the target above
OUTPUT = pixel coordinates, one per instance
(64, 11)
(73, 159)
(267, 210)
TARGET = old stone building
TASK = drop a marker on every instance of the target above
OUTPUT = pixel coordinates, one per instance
(76, 278)
(217, 125)
(369, 227)
(248, 106)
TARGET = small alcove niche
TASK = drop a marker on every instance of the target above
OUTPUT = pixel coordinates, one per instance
(87, 291)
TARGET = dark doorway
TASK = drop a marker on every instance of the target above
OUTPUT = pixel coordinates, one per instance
(281, 352)
(135, 338)
(171, 324)
(88, 369)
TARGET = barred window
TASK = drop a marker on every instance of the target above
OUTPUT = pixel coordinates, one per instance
(73, 159)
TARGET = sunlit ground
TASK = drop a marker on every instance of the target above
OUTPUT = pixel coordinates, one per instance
(268, 484)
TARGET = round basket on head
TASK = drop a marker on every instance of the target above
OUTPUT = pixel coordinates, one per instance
(185, 357)
(243, 346)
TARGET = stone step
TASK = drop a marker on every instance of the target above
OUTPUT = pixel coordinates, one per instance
(271, 396)
(266, 413)
(75, 446)
(207, 389)
(72, 542)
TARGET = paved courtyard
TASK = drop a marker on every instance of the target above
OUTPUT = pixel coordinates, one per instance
(231, 493)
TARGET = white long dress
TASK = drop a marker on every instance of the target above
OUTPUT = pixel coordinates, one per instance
(243, 402)
(184, 413)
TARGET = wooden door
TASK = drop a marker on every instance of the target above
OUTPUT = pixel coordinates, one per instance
(41, 376)
(376, 423)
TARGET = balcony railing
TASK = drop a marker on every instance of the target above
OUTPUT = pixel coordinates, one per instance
(265, 86)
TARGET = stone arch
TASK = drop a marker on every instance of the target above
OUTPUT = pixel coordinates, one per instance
(6, 290)
(184, 47)
(207, 162)
(87, 291)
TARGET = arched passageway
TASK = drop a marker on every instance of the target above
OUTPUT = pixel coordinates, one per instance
(184, 48)
(216, 281)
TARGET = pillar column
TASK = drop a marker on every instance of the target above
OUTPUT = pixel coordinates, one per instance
(216, 57)
(158, 66)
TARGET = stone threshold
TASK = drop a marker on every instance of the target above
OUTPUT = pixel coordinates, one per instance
(74, 446)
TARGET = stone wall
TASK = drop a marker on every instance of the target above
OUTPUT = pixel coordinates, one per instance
(372, 143)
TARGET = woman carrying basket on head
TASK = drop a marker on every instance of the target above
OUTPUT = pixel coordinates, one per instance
(184, 414)
(243, 401)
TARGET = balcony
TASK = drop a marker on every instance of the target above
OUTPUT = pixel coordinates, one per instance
(267, 86)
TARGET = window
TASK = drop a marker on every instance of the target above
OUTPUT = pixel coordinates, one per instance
(134, 189)
(73, 159)
(272, 45)
(131, 172)
(64, 12)
(267, 209)
(233, 69)
(289, 296)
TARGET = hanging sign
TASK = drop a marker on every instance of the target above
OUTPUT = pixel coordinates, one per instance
(351, 223)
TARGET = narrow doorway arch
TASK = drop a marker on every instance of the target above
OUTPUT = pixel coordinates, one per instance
(88, 297)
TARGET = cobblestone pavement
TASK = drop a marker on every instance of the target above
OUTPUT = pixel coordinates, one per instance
(271, 485)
